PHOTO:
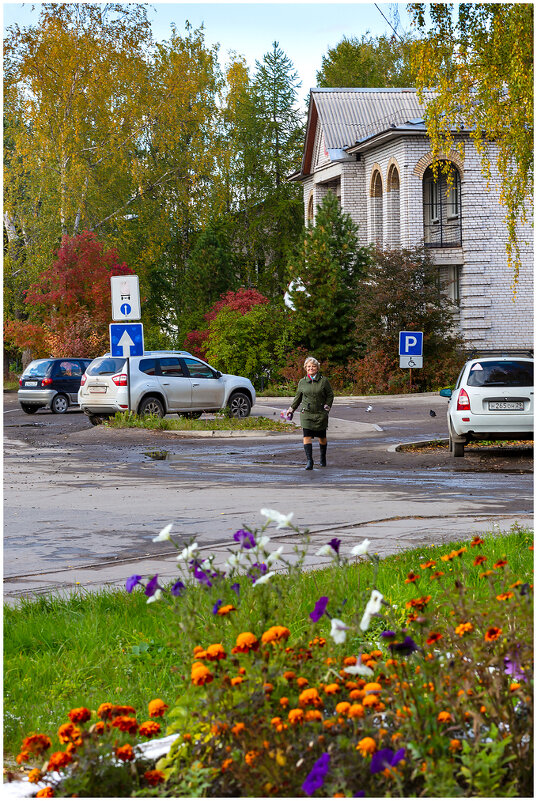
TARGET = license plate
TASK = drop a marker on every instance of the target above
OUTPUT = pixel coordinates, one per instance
(30, 383)
(102, 390)
(515, 406)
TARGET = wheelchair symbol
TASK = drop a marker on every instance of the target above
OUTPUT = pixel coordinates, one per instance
(411, 362)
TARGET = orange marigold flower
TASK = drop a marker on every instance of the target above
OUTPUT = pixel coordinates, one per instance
(295, 716)
(79, 715)
(125, 753)
(125, 723)
(517, 583)
(105, 710)
(504, 596)
(289, 675)
(479, 560)
(350, 660)
(499, 563)
(418, 603)
(310, 697)
(355, 711)
(226, 609)
(329, 660)
(343, 707)
(275, 634)
(236, 680)
(312, 714)
(284, 701)
(149, 728)
(154, 777)
(514, 686)
(238, 728)
(437, 574)
(365, 658)
(476, 541)
(483, 710)
(268, 687)
(276, 722)
(227, 763)
(36, 744)
(396, 736)
(377, 654)
(59, 759)
(69, 733)
(486, 573)
(35, 775)
(98, 727)
(455, 745)
(24, 756)
(370, 700)
(444, 717)
(187, 737)
(429, 563)
(492, 634)
(45, 792)
(434, 636)
(366, 746)
(302, 682)
(250, 757)
(123, 709)
(200, 674)
(332, 689)
(447, 557)
(356, 695)
(372, 687)
(198, 649)
(215, 652)
(412, 578)
(460, 551)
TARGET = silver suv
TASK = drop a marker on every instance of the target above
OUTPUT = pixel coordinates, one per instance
(161, 382)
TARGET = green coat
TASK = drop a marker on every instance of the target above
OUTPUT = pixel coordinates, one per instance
(313, 396)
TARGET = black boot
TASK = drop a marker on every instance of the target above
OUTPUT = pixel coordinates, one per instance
(309, 456)
(323, 454)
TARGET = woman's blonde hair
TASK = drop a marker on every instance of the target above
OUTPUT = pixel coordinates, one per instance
(311, 359)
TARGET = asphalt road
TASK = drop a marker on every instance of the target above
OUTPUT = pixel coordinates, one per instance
(82, 504)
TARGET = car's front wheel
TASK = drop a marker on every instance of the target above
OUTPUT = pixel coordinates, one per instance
(239, 405)
(27, 408)
(59, 405)
(151, 406)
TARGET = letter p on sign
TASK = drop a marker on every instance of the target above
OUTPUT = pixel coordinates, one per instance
(411, 343)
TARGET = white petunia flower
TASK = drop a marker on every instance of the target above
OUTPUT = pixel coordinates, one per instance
(326, 550)
(273, 516)
(263, 542)
(188, 553)
(164, 534)
(234, 560)
(362, 549)
(263, 579)
(157, 595)
(274, 556)
(372, 607)
(338, 631)
(359, 669)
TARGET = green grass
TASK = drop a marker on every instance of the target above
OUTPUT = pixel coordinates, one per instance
(221, 422)
(112, 646)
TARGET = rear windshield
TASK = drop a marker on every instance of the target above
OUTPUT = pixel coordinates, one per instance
(108, 365)
(501, 374)
(37, 369)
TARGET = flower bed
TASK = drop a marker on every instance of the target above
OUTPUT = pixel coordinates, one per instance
(430, 696)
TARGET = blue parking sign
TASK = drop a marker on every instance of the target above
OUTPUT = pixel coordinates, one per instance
(410, 343)
(126, 339)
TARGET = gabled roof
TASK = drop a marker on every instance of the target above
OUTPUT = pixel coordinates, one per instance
(349, 116)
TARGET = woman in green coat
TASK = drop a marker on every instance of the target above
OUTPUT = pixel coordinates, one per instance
(316, 396)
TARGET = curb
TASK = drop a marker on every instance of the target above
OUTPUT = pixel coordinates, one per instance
(397, 448)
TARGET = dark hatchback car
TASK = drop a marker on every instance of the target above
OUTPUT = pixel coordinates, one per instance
(52, 384)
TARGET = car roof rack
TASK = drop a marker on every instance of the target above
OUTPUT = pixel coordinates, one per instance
(474, 353)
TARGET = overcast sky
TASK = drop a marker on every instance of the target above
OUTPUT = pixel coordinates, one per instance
(304, 31)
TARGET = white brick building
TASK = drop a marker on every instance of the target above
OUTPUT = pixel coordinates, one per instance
(370, 147)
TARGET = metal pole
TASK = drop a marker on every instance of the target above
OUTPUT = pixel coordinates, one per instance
(410, 381)
(128, 384)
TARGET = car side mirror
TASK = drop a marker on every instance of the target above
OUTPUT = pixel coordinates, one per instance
(218, 374)
(446, 393)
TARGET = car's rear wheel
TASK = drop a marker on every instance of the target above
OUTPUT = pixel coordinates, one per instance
(456, 448)
(151, 406)
(59, 405)
(239, 405)
(27, 408)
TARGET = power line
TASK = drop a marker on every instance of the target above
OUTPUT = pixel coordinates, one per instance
(388, 21)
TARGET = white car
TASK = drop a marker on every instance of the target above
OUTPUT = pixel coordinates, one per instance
(492, 399)
(161, 382)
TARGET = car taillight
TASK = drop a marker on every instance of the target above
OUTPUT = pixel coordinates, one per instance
(120, 380)
(46, 381)
(20, 382)
(463, 401)
(83, 380)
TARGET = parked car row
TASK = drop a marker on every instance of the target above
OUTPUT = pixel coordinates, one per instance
(159, 382)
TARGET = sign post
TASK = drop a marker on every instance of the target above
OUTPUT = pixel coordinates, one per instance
(410, 351)
(126, 340)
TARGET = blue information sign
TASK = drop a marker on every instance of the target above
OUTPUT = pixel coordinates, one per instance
(126, 339)
(410, 343)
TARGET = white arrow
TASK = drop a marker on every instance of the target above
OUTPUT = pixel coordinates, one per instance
(126, 343)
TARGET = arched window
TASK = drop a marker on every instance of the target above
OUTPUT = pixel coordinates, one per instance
(376, 209)
(394, 213)
(442, 213)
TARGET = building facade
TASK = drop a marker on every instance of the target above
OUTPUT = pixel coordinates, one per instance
(370, 147)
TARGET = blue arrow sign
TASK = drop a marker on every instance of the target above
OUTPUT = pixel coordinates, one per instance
(125, 309)
(410, 343)
(126, 339)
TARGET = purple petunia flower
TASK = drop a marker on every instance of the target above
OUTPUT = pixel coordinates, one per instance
(385, 758)
(245, 538)
(334, 544)
(316, 776)
(202, 576)
(236, 588)
(258, 569)
(408, 646)
(217, 606)
(387, 634)
(131, 582)
(152, 586)
(320, 608)
(177, 588)
(360, 794)
(512, 666)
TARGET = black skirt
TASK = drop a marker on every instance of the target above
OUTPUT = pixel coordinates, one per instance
(309, 432)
